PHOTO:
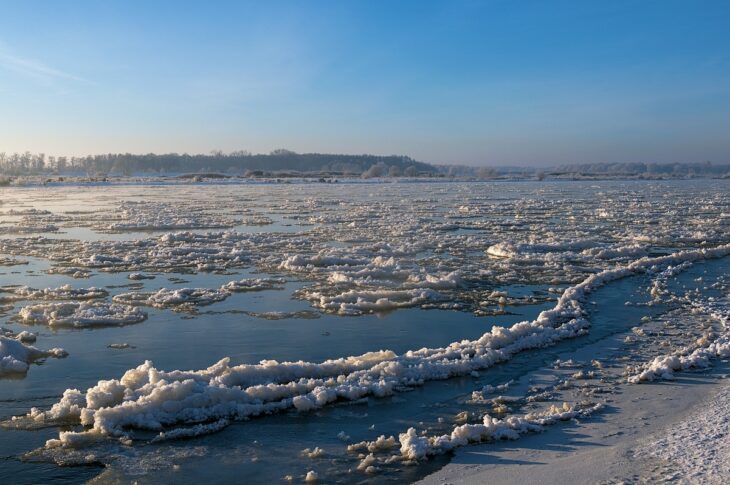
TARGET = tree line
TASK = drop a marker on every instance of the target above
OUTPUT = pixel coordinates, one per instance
(234, 163)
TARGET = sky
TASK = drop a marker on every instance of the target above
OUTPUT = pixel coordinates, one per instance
(469, 82)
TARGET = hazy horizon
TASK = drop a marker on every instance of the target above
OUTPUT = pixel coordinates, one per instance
(474, 83)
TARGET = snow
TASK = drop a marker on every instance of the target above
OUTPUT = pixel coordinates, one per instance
(696, 449)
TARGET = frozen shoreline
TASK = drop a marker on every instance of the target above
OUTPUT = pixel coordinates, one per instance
(656, 432)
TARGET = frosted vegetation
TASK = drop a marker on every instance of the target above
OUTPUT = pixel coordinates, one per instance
(286, 163)
(348, 252)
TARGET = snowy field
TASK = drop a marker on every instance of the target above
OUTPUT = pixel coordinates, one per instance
(365, 332)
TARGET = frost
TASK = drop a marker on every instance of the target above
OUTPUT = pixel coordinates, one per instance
(697, 447)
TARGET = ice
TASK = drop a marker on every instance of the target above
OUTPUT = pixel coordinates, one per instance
(189, 298)
(311, 476)
(254, 284)
(415, 447)
(699, 355)
(140, 276)
(80, 314)
(382, 443)
(66, 292)
(150, 398)
(178, 297)
(356, 302)
(131, 216)
(16, 357)
(355, 250)
(317, 452)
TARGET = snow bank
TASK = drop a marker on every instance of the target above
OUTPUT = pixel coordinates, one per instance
(696, 449)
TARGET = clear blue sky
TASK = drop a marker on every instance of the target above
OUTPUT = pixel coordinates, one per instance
(478, 82)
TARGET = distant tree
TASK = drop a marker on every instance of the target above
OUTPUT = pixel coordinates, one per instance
(394, 171)
(282, 152)
(411, 171)
(486, 173)
(377, 170)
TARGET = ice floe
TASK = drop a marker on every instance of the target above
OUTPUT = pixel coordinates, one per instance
(16, 356)
(170, 402)
(66, 292)
(75, 314)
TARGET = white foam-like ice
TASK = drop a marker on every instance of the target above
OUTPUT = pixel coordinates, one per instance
(16, 357)
(65, 292)
(416, 447)
(695, 356)
(357, 302)
(253, 284)
(176, 297)
(77, 314)
(141, 216)
(150, 398)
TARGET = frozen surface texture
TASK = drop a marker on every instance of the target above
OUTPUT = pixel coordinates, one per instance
(378, 311)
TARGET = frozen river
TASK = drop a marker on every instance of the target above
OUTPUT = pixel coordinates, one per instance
(346, 333)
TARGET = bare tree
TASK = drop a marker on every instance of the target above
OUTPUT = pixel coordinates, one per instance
(486, 173)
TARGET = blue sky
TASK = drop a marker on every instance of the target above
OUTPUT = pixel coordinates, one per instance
(477, 82)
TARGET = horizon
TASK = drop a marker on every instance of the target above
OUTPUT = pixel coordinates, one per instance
(465, 83)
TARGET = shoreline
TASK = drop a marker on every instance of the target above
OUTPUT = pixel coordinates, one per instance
(616, 445)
